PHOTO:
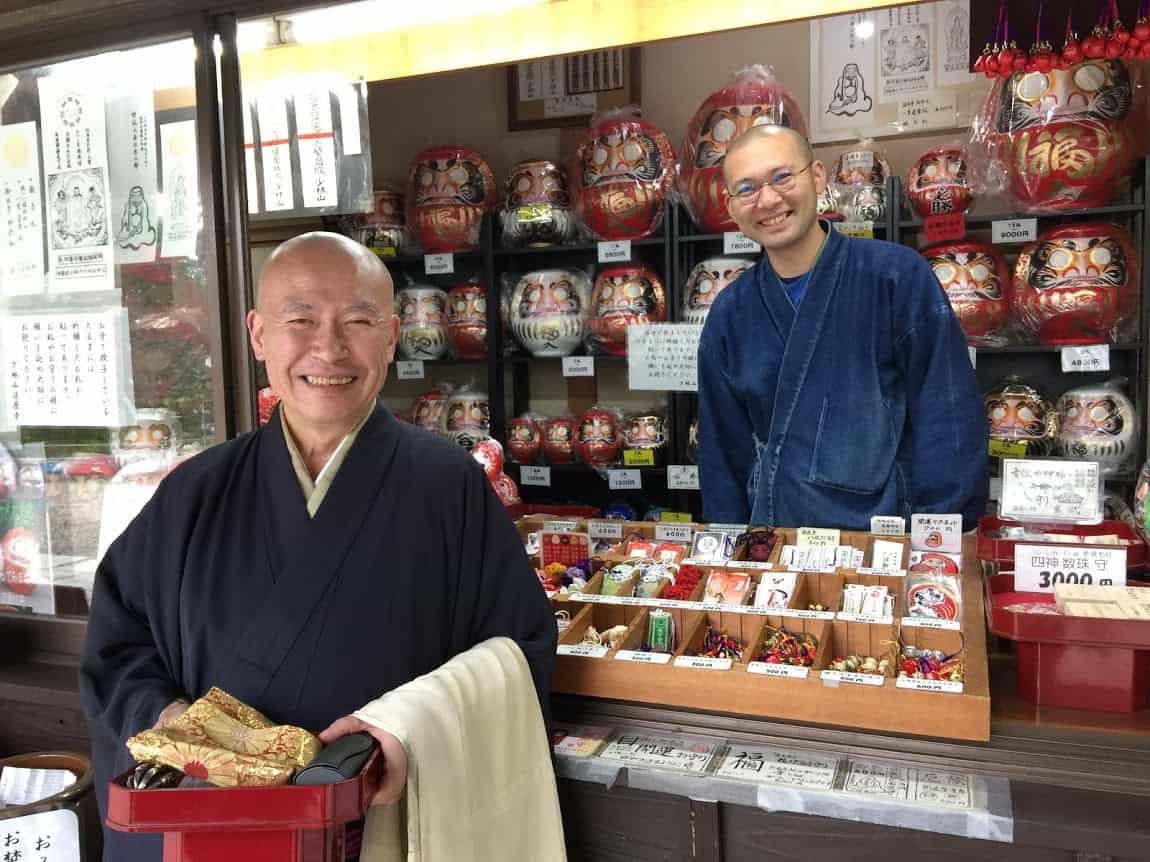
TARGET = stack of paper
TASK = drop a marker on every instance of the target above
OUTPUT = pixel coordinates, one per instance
(1111, 603)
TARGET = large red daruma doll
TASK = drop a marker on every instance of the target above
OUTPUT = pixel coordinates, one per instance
(1065, 134)
(1076, 283)
(977, 283)
(620, 175)
(752, 98)
(448, 191)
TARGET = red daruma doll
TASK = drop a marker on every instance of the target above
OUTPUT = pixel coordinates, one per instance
(977, 283)
(620, 175)
(938, 183)
(624, 295)
(448, 191)
(559, 440)
(467, 320)
(599, 443)
(524, 440)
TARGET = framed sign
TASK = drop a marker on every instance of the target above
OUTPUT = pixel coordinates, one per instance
(566, 91)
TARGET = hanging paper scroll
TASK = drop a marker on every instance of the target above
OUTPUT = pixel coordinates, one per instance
(181, 189)
(21, 212)
(132, 158)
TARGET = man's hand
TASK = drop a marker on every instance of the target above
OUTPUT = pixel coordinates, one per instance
(170, 713)
(394, 780)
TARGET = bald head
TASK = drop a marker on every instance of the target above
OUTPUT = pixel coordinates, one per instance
(799, 146)
(324, 255)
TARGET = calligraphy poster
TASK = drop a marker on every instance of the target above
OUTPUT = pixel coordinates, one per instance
(133, 166)
(76, 188)
(250, 162)
(318, 179)
(21, 212)
(663, 356)
(50, 836)
(181, 224)
(69, 369)
(275, 153)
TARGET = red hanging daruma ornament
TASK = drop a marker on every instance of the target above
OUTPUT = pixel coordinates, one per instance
(753, 98)
(467, 320)
(599, 443)
(624, 295)
(448, 191)
(620, 175)
(559, 440)
(1076, 283)
(938, 183)
(977, 283)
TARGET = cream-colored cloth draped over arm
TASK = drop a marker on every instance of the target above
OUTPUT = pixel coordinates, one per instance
(480, 783)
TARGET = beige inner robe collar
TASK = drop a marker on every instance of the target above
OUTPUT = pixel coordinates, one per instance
(315, 490)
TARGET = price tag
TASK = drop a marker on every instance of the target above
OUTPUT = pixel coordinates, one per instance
(860, 229)
(409, 369)
(936, 533)
(643, 657)
(535, 213)
(616, 251)
(605, 529)
(680, 533)
(703, 662)
(578, 366)
(1091, 357)
(736, 242)
(438, 264)
(560, 526)
(787, 670)
(888, 525)
(624, 480)
(930, 623)
(817, 537)
(639, 457)
(682, 477)
(384, 250)
(540, 476)
(582, 650)
(945, 227)
(834, 677)
(1007, 448)
(972, 352)
(676, 517)
(1037, 568)
(1036, 490)
(1014, 230)
(929, 684)
(862, 618)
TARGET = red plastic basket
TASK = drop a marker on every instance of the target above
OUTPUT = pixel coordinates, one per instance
(1001, 551)
(255, 824)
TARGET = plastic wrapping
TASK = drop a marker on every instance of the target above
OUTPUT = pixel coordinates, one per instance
(525, 438)
(548, 311)
(448, 191)
(559, 436)
(752, 97)
(620, 175)
(858, 179)
(935, 596)
(1064, 137)
(706, 281)
(489, 453)
(1077, 284)
(646, 432)
(467, 319)
(467, 417)
(939, 182)
(422, 310)
(1021, 415)
(384, 229)
(693, 441)
(428, 408)
(978, 284)
(599, 439)
(623, 295)
(536, 207)
(1098, 423)
(1141, 492)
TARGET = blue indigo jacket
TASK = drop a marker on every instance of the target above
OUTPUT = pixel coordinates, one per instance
(860, 402)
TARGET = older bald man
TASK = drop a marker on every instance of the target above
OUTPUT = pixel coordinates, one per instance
(310, 566)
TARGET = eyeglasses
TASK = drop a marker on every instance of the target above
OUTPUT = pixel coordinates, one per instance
(780, 181)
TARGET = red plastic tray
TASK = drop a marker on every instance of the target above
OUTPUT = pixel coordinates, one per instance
(1001, 551)
(519, 510)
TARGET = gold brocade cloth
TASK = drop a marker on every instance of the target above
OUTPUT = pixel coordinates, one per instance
(226, 743)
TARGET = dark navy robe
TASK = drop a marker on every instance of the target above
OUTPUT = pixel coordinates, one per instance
(861, 401)
(224, 580)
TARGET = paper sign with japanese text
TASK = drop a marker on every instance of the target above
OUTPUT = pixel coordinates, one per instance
(936, 533)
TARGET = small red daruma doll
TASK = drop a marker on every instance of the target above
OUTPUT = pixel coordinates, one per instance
(489, 453)
(599, 441)
(467, 320)
(620, 175)
(428, 408)
(978, 284)
(624, 295)
(938, 183)
(524, 440)
(559, 440)
(448, 191)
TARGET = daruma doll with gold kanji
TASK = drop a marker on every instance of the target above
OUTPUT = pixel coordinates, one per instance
(938, 183)
(448, 191)
(1066, 134)
(620, 175)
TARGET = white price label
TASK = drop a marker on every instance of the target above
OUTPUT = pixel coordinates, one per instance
(409, 369)
(703, 662)
(930, 623)
(834, 677)
(438, 264)
(736, 242)
(972, 352)
(817, 537)
(624, 480)
(560, 526)
(540, 476)
(1090, 357)
(616, 251)
(682, 477)
(643, 657)
(888, 525)
(1036, 490)
(1014, 230)
(578, 366)
(807, 615)
(680, 533)
(582, 650)
(1038, 568)
(936, 533)
(945, 685)
(862, 618)
(787, 670)
(605, 529)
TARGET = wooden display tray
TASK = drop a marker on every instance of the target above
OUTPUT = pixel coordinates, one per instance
(885, 707)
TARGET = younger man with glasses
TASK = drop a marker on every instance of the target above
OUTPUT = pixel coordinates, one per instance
(834, 380)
